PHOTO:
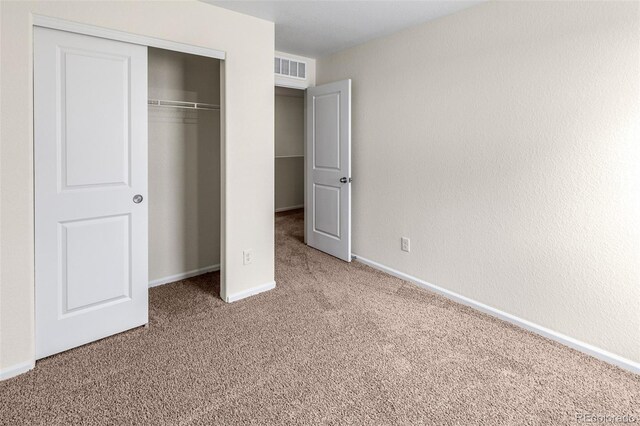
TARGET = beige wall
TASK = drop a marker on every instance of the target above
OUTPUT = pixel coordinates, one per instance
(504, 141)
(184, 165)
(289, 122)
(289, 183)
(289, 141)
(247, 152)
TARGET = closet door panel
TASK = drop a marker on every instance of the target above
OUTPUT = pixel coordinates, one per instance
(95, 152)
(90, 149)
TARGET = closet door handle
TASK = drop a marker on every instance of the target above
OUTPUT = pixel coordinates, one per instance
(137, 198)
(343, 180)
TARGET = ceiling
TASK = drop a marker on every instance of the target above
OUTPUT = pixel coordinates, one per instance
(318, 28)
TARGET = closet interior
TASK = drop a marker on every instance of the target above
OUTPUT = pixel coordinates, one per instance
(184, 165)
(289, 149)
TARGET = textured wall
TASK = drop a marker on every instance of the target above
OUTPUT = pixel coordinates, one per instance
(504, 141)
(247, 151)
(184, 165)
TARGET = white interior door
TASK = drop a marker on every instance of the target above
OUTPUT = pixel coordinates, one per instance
(90, 110)
(328, 169)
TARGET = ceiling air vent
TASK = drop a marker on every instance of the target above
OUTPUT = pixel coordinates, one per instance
(290, 68)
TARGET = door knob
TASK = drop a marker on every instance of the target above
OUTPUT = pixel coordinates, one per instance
(137, 198)
(345, 180)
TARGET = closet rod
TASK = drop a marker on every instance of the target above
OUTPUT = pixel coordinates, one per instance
(184, 105)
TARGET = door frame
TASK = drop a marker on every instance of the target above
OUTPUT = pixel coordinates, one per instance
(91, 30)
(122, 36)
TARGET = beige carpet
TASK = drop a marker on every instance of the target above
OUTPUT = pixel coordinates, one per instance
(334, 343)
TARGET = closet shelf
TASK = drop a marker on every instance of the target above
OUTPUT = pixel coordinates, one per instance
(182, 104)
(289, 156)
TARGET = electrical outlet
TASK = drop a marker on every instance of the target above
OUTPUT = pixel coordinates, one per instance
(405, 244)
(247, 257)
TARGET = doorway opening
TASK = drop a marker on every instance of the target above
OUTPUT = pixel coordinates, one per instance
(313, 163)
(289, 151)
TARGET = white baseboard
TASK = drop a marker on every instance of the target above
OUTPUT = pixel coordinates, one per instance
(15, 370)
(250, 292)
(183, 275)
(284, 209)
(586, 348)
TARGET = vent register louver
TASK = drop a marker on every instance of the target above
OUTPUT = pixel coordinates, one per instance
(290, 68)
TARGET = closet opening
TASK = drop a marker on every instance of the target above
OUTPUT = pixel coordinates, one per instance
(289, 152)
(184, 141)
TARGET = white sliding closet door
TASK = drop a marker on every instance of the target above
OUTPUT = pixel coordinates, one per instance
(90, 110)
